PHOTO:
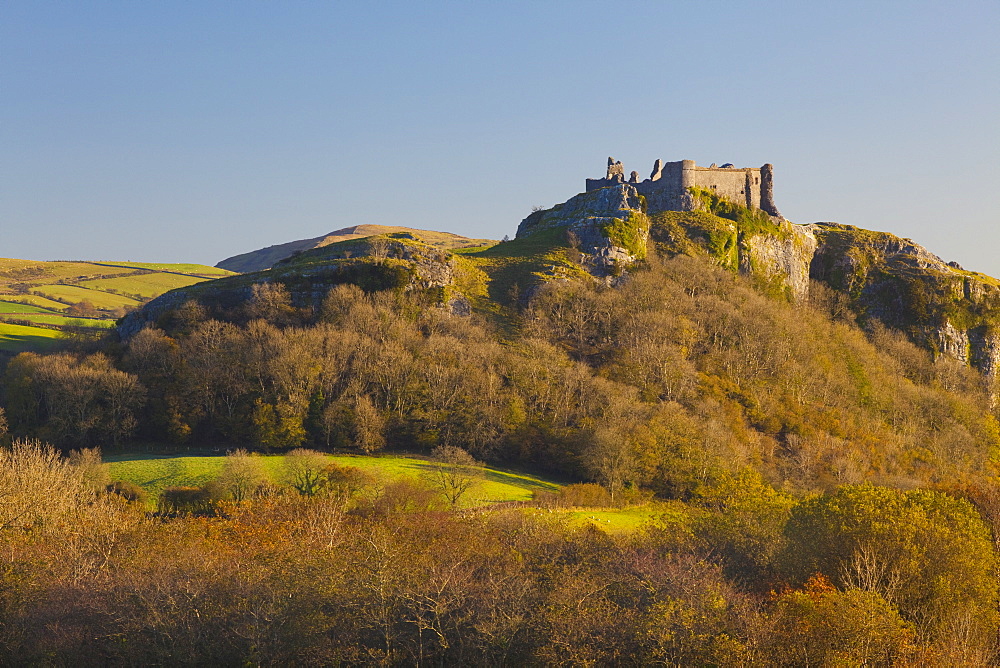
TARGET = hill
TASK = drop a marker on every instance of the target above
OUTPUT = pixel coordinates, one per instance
(265, 258)
(600, 235)
(40, 299)
(809, 410)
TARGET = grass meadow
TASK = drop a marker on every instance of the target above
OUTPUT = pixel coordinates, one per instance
(154, 473)
(14, 338)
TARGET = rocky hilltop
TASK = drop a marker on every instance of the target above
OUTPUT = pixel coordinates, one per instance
(604, 233)
(265, 258)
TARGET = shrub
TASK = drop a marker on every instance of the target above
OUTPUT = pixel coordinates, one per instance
(187, 501)
(588, 494)
(127, 490)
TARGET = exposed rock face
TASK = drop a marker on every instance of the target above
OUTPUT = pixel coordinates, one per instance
(939, 305)
(607, 226)
(786, 257)
(617, 201)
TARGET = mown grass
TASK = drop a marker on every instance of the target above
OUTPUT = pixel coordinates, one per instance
(17, 338)
(154, 473)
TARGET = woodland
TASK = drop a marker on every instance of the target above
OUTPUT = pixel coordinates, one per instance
(829, 490)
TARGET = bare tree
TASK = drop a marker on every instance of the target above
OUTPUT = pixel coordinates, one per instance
(379, 249)
(369, 425)
(454, 472)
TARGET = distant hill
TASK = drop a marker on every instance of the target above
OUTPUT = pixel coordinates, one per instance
(265, 258)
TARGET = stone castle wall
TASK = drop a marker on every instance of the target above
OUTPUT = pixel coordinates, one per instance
(666, 189)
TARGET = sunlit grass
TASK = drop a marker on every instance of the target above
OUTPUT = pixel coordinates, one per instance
(144, 285)
(77, 294)
(15, 338)
(154, 473)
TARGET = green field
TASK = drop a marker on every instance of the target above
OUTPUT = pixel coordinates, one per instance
(39, 292)
(15, 338)
(144, 285)
(154, 473)
(35, 300)
(177, 267)
(629, 520)
(77, 294)
(11, 308)
(61, 320)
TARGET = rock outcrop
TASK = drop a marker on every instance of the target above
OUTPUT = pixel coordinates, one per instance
(897, 282)
(395, 261)
(607, 226)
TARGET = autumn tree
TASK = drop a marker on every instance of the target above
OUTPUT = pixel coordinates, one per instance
(242, 475)
(304, 470)
(926, 552)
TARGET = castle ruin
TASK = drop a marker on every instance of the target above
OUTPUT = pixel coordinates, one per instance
(667, 188)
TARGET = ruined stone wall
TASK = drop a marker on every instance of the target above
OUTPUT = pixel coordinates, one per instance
(666, 189)
(737, 185)
(669, 190)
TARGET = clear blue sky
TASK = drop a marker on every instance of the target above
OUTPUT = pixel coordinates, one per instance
(192, 131)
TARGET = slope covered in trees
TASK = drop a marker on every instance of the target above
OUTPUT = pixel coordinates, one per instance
(833, 485)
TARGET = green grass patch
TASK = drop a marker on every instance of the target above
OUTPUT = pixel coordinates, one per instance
(750, 221)
(37, 300)
(8, 308)
(77, 294)
(694, 232)
(144, 285)
(525, 262)
(60, 320)
(18, 338)
(629, 234)
(154, 473)
(618, 521)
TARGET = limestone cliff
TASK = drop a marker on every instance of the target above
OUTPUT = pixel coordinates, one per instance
(608, 227)
(939, 305)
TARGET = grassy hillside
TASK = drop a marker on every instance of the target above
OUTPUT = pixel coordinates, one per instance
(264, 258)
(155, 473)
(14, 338)
(39, 299)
